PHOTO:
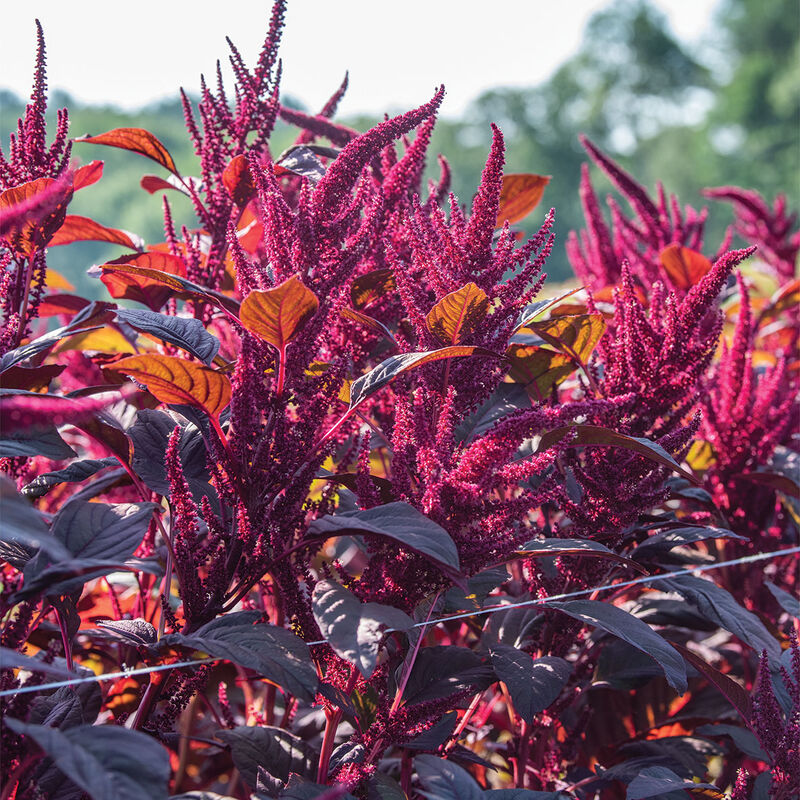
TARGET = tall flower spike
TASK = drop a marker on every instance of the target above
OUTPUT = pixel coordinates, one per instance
(333, 191)
(29, 157)
(483, 219)
(771, 229)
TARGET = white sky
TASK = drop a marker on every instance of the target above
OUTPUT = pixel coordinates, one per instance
(130, 53)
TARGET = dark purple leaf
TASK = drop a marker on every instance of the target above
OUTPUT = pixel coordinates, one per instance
(789, 603)
(534, 684)
(274, 653)
(352, 628)
(620, 623)
(738, 697)
(444, 780)
(660, 781)
(26, 443)
(277, 751)
(134, 631)
(23, 525)
(523, 794)
(436, 736)
(398, 521)
(188, 334)
(719, 606)
(11, 659)
(744, 739)
(663, 541)
(89, 318)
(390, 368)
(544, 548)
(75, 473)
(108, 762)
(150, 434)
(594, 436)
(68, 706)
(301, 160)
(441, 671)
(102, 531)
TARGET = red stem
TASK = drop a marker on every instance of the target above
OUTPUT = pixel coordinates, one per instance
(331, 725)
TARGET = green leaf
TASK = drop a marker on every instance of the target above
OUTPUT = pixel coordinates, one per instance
(108, 762)
(620, 623)
(352, 628)
(398, 521)
(188, 334)
(274, 653)
(534, 685)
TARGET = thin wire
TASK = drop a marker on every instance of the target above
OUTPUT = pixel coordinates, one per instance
(110, 676)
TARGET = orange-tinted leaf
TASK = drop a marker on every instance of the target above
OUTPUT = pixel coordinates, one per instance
(144, 278)
(102, 340)
(176, 380)
(141, 283)
(537, 369)
(55, 280)
(136, 140)
(276, 315)
(787, 298)
(87, 175)
(685, 267)
(83, 229)
(457, 313)
(250, 236)
(521, 193)
(605, 296)
(574, 335)
(238, 181)
(123, 696)
(56, 304)
(701, 455)
(152, 184)
(371, 286)
(368, 322)
(34, 229)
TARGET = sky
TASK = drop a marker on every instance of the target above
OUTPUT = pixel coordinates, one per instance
(131, 53)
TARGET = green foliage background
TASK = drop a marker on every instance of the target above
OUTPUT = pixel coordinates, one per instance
(726, 114)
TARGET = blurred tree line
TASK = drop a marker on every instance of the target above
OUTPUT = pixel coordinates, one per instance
(723, 113)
